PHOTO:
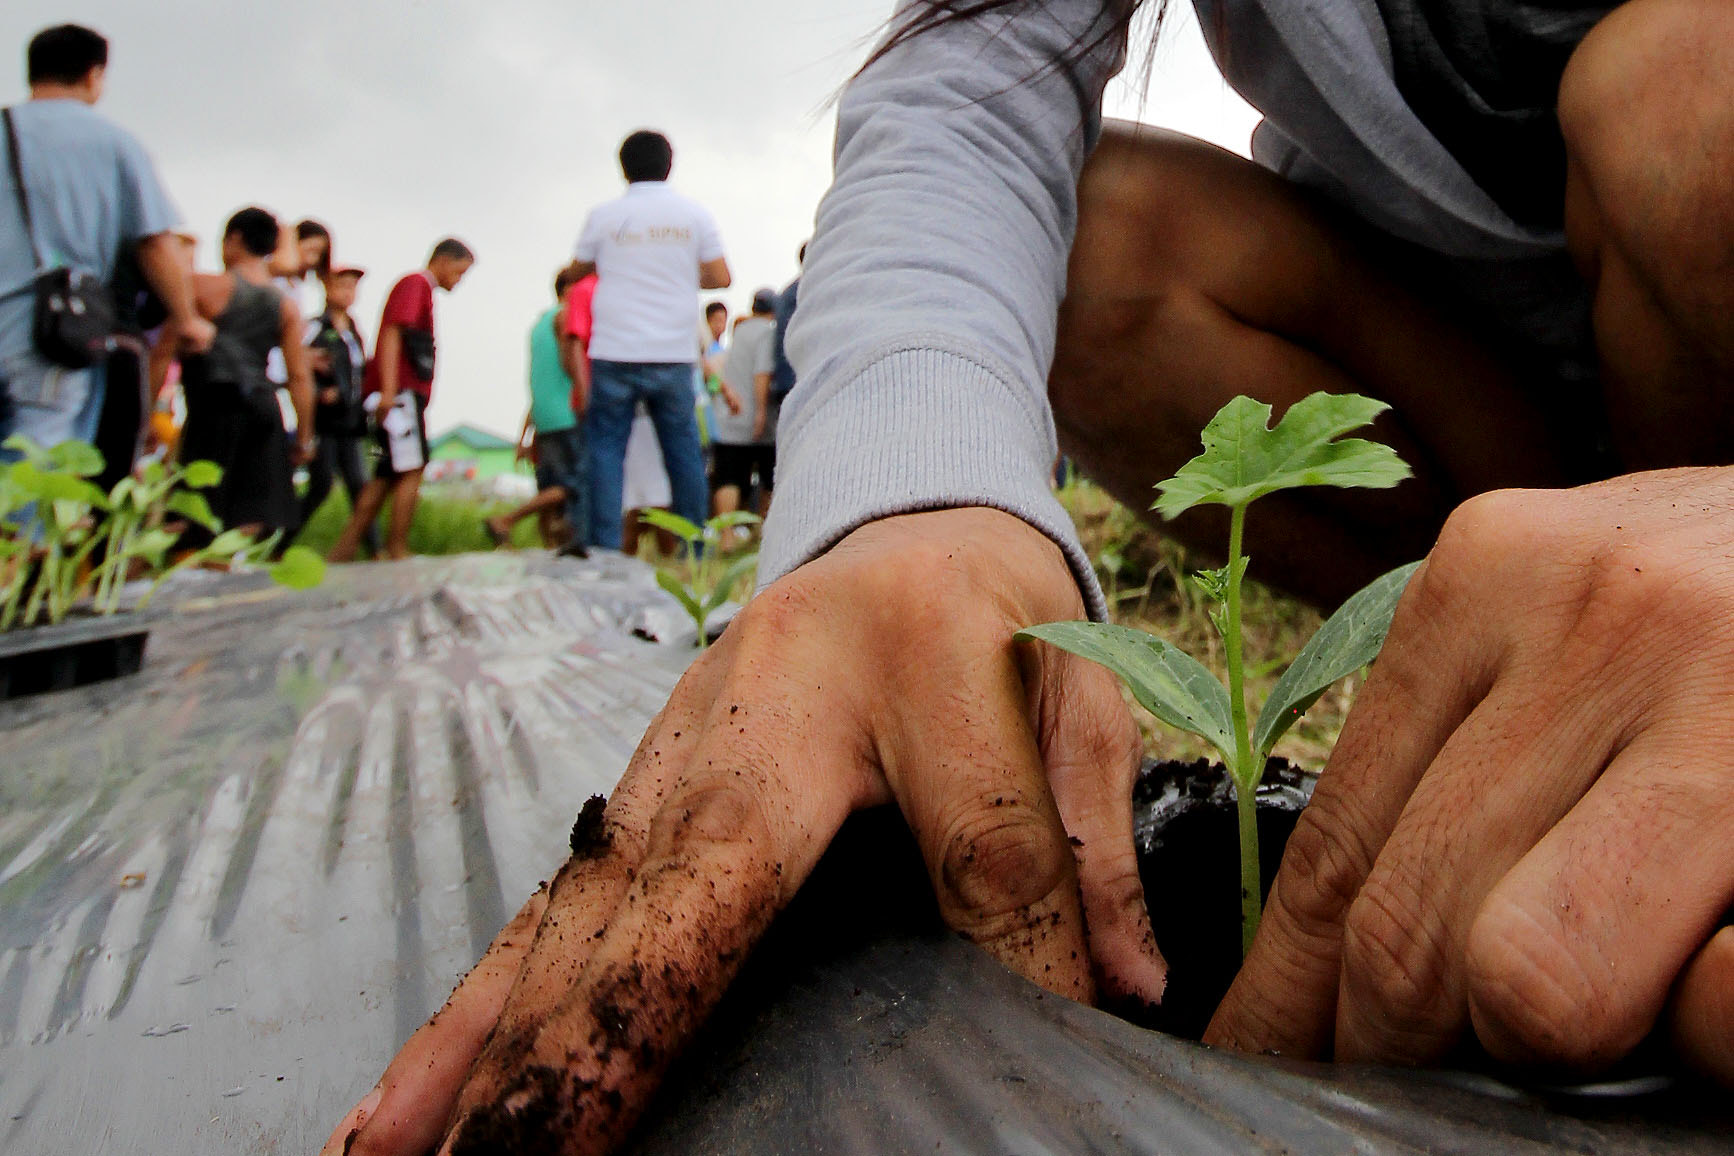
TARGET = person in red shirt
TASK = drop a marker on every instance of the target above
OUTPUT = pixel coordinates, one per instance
(398, 387)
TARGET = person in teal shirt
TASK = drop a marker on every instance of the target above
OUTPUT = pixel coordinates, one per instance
(553, 435)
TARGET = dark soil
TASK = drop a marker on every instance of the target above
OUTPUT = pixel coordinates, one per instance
(1188, 840)
(589, 831)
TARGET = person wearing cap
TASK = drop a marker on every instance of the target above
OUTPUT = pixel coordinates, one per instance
(339, 358)
(745, 444)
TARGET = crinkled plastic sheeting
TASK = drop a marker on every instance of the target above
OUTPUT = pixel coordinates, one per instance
(232, 885)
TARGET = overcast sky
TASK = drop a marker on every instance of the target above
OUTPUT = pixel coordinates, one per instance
(497, 120)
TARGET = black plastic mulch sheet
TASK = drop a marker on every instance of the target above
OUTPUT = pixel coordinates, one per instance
(232, 885)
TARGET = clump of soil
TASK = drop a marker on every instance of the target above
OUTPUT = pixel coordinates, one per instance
(1188, 838)
(590, 831)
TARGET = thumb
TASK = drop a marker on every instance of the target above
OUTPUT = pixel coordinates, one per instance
(1702, 1017)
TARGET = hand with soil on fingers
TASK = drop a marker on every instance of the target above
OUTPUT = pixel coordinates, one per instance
(883, 671)
(1522, 837)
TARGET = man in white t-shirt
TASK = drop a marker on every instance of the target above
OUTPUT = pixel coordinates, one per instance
(653, 250)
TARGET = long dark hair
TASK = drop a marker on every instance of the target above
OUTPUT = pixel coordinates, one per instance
(308, 229)
(931, 14)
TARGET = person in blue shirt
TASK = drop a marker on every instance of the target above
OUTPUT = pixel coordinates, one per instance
(94, 197)
(558, 388)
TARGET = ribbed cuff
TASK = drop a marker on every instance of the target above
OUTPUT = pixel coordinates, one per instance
(927, 424)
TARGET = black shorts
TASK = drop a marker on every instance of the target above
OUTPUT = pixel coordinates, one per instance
(735, 465)
(405, 449)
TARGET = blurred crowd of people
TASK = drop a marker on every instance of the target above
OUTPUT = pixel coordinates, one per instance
(262, 368)
(630, 409)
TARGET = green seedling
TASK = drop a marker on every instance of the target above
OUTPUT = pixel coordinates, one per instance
(1244, 459)
(70, 518)
(711, 581)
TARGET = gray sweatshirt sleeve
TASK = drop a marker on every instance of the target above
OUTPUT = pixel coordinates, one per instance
(928, 304)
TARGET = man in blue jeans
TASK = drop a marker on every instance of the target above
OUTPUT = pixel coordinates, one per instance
(653, 251)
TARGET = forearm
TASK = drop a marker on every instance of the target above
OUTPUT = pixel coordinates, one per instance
(761, 403)
(297, 362)
(580, 378)
(169, 273)
(933, 283)
(162, 356)
(389, 354)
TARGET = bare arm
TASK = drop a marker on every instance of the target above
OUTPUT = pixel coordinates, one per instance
(715, 274)
(166, 267)
(162, 356)
(300, 369)
(574, 349)
(389, 354)
(762, 399)
(522, 453)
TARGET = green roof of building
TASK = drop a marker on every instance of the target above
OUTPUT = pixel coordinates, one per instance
(472, 438)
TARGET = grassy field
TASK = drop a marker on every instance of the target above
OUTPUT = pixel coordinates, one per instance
(445, 523)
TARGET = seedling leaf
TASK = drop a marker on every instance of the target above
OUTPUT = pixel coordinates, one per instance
(31, 452)
(673, 585)
(299, 569)
(1166, 681)
(80, 459)
(1348, 641)
(1244, 458)
(228, 543)
(193, 508)
(732, 519)
(202, 475)
(153, 545)
(737, 570)
(673, 523)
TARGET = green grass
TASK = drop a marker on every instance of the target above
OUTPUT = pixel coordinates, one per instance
(443, 524)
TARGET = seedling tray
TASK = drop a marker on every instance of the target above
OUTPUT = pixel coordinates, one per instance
(78, 652)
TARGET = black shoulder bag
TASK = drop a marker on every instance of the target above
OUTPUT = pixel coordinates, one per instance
(75, 316)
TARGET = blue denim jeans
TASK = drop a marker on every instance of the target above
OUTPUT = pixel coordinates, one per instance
(561, 462)
(49, 404)
(665, 388)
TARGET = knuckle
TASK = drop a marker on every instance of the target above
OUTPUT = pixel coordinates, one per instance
(1482, 536)
(1000, 860)
(1394, 962)
(783, 611)
(1322, 870)
(1531, 998)
(718, 813)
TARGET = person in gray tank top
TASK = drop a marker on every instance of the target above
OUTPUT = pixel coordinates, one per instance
(233, 418)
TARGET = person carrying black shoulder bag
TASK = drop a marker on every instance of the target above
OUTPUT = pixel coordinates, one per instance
(74, 318)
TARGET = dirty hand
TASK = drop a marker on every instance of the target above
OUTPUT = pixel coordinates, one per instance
(1524, 830)
(884, 670)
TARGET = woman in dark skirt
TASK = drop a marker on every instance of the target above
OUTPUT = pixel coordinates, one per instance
(233, 418)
